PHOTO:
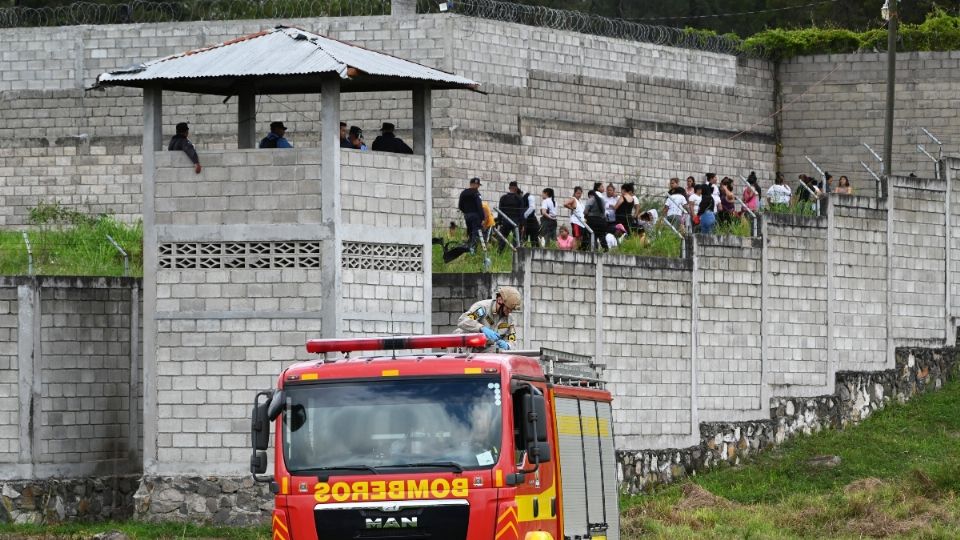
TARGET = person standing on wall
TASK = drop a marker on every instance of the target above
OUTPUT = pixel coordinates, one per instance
(511, 207)
(471, 205)
(548, 216)
(277, 137)
(181, 142)
(388, 142)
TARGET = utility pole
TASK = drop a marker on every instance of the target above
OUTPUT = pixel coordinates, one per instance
(891, 13)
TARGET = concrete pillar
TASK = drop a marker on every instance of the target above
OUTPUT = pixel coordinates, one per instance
(152, 121)
(247, 120)
(330, 272)
(423, 145)
(403, 7)
(694, 342)
(947, 172)
(28, 359)
(133, 432)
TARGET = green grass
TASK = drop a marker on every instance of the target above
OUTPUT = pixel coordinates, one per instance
(470, 263)
(795, 209)
(662, 243)
(737, 227)
(79, 249)
(134, 530)
(899, 477)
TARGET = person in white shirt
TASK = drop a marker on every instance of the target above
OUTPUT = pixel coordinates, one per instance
(779, 192)
(715, 184)
(610, 204)
(694, 205)
(548, 216)
(613, 239)
(578, 221)
(673, 208)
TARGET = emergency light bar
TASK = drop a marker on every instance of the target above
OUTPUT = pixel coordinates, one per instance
(443, 341)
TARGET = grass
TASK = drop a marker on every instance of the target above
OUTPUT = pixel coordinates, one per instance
(72, 246)
(795, 209)
(662, 243)
(134, 530)
(742, 227)
(470, 263)
(899, 478)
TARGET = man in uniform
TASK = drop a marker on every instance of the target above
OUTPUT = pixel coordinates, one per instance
(492, 319)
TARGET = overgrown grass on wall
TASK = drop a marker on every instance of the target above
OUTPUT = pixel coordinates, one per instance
(67, 243)
(939, 32)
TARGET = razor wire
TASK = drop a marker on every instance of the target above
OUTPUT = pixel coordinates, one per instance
(147, 11)
(586, 23)
(152, 11)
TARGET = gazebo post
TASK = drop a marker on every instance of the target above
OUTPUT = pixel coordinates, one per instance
(246, 120)
(330, 206)
(152, 142)
(423, 145)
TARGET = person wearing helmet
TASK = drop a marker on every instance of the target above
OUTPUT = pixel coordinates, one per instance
(492, 318)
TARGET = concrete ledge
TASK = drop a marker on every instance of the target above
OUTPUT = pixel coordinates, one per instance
(790, 220)
(72, 282)
(709, 240)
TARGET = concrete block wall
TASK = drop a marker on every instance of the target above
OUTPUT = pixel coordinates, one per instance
(70, 370)
(951, 175)
(382, 189)
(836, 103)
(860, 283)
(85, 337)
(239, 187)
(796, 311)
(728, 318)
(919, 260)
(9, 375)
(562, 306)
(646, 335)
(650, 112)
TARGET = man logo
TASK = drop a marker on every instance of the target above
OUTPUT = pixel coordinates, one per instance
(392, 523)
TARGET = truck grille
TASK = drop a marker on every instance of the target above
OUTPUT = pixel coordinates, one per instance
(406, 520)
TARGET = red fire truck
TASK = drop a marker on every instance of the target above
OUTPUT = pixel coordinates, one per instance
(438, 445)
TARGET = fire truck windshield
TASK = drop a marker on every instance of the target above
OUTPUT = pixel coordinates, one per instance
(409, 423)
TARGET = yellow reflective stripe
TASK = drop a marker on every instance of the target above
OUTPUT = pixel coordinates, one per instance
(499, 478)
(285, 485)
(390, 373)
(472, 371)
(572, 425)
(308, 377)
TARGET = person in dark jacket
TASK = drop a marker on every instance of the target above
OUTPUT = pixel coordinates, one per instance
(388, 142)
(472, 207)
(511, 206)
(181, 142)
(276, 138)
(344, 140)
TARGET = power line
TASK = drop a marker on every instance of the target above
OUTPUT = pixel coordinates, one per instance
(717, 15)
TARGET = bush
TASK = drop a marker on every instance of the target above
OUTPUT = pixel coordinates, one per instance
(939, 32)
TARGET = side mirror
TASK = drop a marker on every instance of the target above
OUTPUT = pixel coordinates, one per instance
(535, 415)
(260, 432)
(277, 402)
(534, 409)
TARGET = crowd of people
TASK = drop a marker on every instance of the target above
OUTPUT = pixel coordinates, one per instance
(603, 216)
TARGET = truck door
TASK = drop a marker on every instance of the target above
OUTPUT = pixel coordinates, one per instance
(536, 496)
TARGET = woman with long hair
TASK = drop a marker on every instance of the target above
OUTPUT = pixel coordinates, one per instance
(706, 211)
(623, 208)
(548, 216)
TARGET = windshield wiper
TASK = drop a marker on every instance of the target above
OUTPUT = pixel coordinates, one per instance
(323, 473)
(450, 464)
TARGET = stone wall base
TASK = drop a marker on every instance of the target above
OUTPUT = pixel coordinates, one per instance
(857, 396)
(55, 500)
(235, 501)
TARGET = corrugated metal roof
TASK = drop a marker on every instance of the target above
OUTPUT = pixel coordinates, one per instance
(282, 51)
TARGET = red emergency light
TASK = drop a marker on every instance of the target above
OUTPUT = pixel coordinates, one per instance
(444, 341)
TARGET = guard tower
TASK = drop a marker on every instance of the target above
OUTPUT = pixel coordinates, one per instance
(264, 247)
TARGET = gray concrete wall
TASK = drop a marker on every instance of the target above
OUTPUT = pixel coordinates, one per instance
(562, 108)
(70, 364)
(836, 102)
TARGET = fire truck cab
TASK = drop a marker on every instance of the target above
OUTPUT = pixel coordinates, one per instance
(438, 445)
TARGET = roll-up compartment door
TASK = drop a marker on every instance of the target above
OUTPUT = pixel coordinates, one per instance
(572, 473)
(609, 463)
(591, 451)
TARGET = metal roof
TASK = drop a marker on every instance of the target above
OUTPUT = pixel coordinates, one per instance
(277, 61)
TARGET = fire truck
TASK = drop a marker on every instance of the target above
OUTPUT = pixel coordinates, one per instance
(438, 445)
